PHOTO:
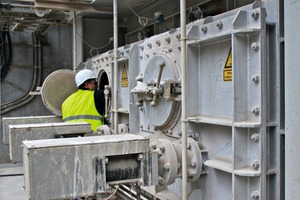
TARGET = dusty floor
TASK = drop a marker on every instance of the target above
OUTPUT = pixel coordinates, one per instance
(12, 182)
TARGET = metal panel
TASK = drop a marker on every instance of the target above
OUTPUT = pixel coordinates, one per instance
(21, 132)
(6, 121)
(292, 96)
(71, 163)
(229, 114)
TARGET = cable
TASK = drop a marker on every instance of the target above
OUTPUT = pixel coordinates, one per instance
(37, 72)
(142, 20)
(5, 53)
(92, 47)
(110, 196)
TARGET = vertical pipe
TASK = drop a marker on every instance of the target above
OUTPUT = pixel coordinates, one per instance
(74, 42)
(183, 97)
(292, 96)
(115, 10)
(39, 60)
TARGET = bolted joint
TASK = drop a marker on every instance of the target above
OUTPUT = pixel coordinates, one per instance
(255, 137)
(255, 110)
(140, 157)
(219, 24)
(193, 163)
(255, 46)
(255, 164)
(255, 14)
(153, 145)
(255, 79)
(161, 181)
(167, 166)
(255, 194)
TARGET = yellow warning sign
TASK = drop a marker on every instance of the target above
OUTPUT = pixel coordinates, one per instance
(124, 79)
(227, 71)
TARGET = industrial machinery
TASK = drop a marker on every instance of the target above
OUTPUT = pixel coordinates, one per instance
(233, 144)
(232, 117)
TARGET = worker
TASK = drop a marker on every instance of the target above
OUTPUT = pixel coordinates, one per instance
(87, 104)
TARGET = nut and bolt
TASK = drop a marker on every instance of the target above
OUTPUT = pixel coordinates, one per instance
(159, 154)
(255, 164)
(255, 14)
(161, 181)
(255, 79)
(193, 163)
(140, 157)
(167, 166)
(219, 24)
(255, 194)
(153, 145)
(255, 46)
(204, 29)
(255, 137)
(255, 110)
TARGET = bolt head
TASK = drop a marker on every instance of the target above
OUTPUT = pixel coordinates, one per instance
(167, 166)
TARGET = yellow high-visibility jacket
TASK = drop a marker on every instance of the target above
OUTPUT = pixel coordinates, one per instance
(80, 107)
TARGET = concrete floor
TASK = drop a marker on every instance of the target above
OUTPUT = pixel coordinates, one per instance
(12, 182)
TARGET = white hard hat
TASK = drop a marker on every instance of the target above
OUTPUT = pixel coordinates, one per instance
(84, 75)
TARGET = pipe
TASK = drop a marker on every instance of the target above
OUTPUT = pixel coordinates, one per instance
(115, 11)
(74, 42)
(183, 96)
(37, 71)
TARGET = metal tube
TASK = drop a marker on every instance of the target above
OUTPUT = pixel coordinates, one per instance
(74, 42)
(183, 97)
(115, 11)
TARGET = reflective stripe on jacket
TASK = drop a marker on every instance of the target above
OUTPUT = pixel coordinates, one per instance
(80, 107)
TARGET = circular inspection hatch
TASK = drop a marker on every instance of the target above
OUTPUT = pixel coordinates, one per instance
(165, 111)
(56, 88)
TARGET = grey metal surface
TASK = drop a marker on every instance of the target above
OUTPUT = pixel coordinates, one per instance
(6, 121)
(70, 163)
(228, 112)
(292, 96)
(21, 132)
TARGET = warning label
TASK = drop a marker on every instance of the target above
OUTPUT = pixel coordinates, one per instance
(227, 71)
(124, 79)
